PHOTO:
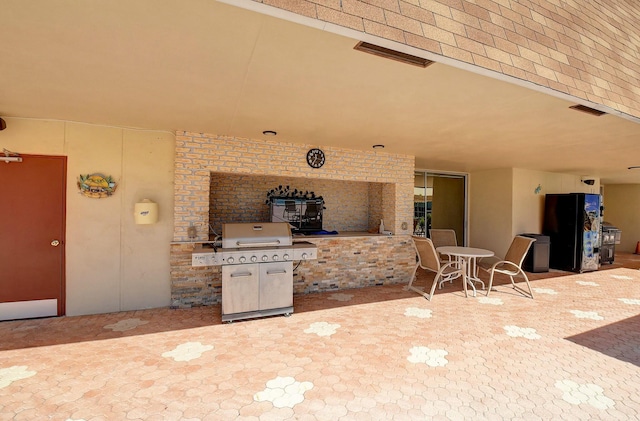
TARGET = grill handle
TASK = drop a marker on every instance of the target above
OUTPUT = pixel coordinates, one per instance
(258, 243)
(240, 275)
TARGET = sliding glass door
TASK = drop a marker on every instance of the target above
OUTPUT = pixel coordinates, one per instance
(440, 201)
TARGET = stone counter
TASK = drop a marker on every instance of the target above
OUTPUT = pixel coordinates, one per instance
(348, 260)
(297, 237)
(355, 261)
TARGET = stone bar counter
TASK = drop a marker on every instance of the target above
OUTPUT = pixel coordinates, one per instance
(346, 260)
(355, 260)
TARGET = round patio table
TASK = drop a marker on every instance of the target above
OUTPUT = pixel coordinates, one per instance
(467, 256)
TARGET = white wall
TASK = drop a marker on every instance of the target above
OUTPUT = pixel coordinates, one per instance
(111, 263)
(508, 202)
(490, 209)
(622, 209)
(529, 190)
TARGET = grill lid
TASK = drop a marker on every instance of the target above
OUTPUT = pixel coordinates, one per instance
(265, 234)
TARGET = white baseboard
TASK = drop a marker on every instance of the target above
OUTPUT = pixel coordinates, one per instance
(28, 309)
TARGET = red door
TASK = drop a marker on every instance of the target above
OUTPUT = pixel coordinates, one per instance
(32, 222)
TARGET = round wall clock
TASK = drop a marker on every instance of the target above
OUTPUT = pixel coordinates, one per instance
(315, 158)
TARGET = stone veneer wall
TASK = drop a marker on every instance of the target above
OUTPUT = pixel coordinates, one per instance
(192, 286)
(199, 155)
(588, 49)
(355, 263)
(343, 262)
(241, 198)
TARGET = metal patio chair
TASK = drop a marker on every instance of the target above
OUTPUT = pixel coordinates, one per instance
(511, 265)
(443, 237)
(428, 260)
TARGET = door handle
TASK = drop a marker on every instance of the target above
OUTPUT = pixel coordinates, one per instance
(55, 243)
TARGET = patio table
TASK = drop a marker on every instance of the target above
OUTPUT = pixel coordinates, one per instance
(467, 256)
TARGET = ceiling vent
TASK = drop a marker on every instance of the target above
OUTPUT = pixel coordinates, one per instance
(588, 110)
(392, 54)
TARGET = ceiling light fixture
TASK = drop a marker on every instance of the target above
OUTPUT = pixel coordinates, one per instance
(269, 133)
(376, 50)
(378, 146)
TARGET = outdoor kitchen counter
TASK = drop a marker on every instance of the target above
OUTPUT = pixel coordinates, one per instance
(348, 234)
(355, 260)
(345, 260)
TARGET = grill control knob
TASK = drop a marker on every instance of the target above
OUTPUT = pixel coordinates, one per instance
(275, 257)
(254, 259)
(285, 257)
(265, 258)
(242, 259)
(304, 256)
(230, 260)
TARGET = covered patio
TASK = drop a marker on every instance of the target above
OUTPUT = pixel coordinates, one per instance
(371, 353)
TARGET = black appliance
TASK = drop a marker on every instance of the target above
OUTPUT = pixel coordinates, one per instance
(572, 222)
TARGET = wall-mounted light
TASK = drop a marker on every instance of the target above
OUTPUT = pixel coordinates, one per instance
(378, 146)
(146, 212)
(269, 133)
(3, 124)
(635, 167)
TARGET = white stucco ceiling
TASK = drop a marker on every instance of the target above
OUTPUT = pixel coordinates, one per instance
(204, 66)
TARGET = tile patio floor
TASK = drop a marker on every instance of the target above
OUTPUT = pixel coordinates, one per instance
(380, 353)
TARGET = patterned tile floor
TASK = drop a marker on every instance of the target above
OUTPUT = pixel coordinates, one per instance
(377, 353)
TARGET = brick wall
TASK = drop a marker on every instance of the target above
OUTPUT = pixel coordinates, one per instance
(198, 155)
(381, 184)
(589, 49)
(241, 198)
(375, 196)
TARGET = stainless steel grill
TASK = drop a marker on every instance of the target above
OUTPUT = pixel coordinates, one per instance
(257, 269)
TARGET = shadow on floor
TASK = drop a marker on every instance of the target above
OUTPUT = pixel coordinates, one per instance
(31, 333)
(620, 340)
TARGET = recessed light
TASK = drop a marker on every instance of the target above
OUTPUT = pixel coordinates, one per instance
(269, 133)
(378, 146)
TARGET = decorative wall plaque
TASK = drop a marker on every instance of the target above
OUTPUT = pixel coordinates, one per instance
(96, 185)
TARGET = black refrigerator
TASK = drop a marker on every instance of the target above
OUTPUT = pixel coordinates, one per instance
(572, 222)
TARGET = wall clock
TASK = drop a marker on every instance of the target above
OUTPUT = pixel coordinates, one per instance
(315, 158)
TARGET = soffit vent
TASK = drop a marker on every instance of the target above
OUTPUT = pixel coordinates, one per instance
(588, 110)
(392, 54)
